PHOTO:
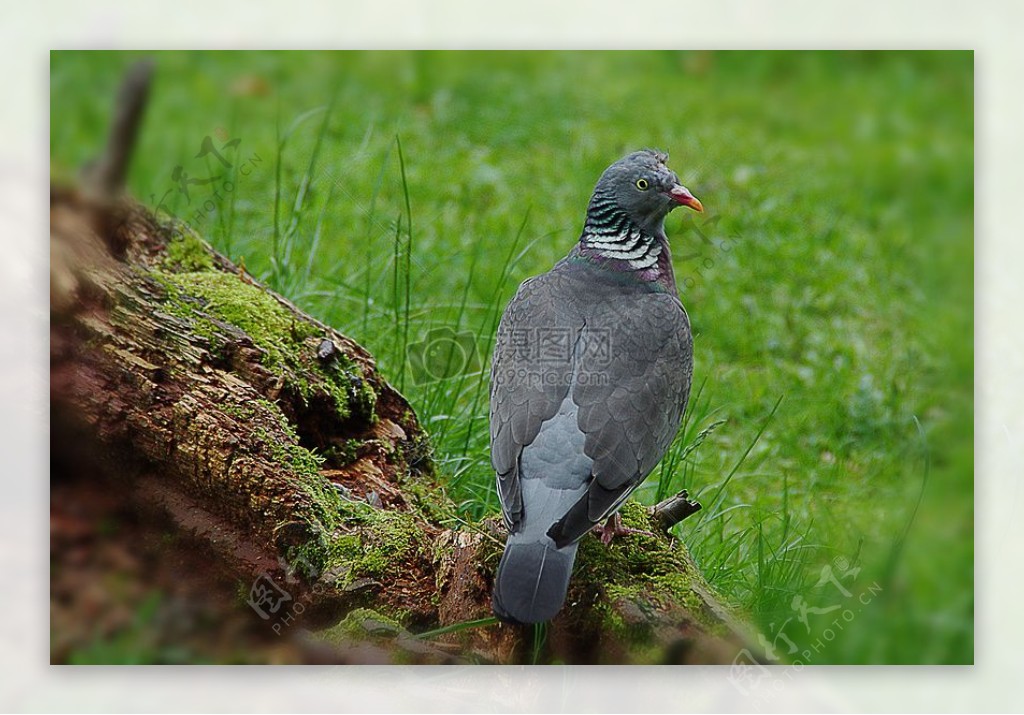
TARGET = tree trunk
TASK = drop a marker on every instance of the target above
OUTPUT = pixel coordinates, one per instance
(256, 454)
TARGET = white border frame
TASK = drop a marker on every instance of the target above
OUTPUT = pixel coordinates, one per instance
(29, 31)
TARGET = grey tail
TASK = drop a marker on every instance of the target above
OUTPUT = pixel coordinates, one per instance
(532, 580)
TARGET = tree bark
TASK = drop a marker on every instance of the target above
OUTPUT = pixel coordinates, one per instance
(223, 417)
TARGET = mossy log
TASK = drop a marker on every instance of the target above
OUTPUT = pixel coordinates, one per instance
(270, 439)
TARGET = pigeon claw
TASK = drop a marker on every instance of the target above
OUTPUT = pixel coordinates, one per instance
(614, 527)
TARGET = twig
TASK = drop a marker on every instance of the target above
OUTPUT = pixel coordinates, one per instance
(105, 176)
(673, 510)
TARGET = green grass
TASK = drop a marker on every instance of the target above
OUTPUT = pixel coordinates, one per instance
(830, 287)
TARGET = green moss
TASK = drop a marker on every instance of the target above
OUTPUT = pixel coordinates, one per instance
(322, 535)
(187, 252)
(364, 398)
(330, 536)
(643, 573)
(356, 541)
(212, 300)
(341, 539)
(311, 535)
(344, 451)
(346, 385)
(305, 463)
(386, 542)
(227, 298)
(428, 498)
(360, 624)
(239, 412)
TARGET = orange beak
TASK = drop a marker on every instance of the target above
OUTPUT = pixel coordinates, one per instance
(681, 195)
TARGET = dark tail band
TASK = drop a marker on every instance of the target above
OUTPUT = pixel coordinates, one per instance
(532, 580)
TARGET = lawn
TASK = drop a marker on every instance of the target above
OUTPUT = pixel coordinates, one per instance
(829, 283)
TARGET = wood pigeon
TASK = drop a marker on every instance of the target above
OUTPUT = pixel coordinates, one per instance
(589, 381)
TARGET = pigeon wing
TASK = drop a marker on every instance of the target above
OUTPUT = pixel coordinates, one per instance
(632, 390)
(530, 376)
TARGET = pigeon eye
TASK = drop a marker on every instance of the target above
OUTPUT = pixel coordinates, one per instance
(642, 184)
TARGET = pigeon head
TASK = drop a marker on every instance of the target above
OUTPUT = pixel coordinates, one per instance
(643, 188)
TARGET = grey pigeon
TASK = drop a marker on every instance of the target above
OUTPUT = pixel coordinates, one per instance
(589, 381)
